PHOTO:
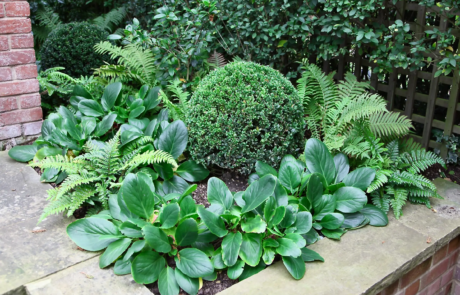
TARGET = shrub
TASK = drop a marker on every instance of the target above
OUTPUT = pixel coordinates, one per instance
(71, 46)
(242, 113)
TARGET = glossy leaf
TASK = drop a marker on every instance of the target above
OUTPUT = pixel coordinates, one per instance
(295, 266)
(194, 263)
(350, 199)
(167, 284)
(110, 95)
(186, 232)
(310, 255)
(113, 251)
(231, 247)
(23, 153)
(218, 193)
(138, 195)
(188, 284)
(93, 234)
(105, 124)
(192, 171)
(169, 215)
(173, 139)
(147, 266)
(341, 166)
(235, 271)
(288, 247)
(254, 225)
(251, 249)
(156, 238)
(289, 176)
(375, 215)
(263, 169)
(213, 221)
(332, 221)
(360, 178)
(258, 192)
(319, 159)
(303, 222)
(91, 108)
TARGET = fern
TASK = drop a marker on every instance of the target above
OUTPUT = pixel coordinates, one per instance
(381, 178)
(381, 200)
(420, 160)
(179, 107)
(217, 60)
(111, 20)
(399, 200)
(389, 125)
(149, 158)
(133, 61)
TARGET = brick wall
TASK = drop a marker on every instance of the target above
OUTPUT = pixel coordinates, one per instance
(438, 275)
(20, 111)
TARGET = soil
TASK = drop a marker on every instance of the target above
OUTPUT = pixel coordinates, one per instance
(452, 173)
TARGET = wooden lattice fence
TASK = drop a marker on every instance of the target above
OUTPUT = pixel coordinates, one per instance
(404, 85)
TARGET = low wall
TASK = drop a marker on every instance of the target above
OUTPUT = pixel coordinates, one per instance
(20, 111)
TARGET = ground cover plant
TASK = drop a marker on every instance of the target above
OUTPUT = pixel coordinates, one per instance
(240, 233)
(241, 113)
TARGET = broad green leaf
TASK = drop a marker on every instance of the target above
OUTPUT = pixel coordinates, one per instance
(289, 176)
(186, 232)
(90, 108)
(79, 90)
(254, 225)
(136, 247)
(23, 153)
(360, 178)
(131, 230)
(49, 175)
(122, 267)
(258, 192)
(303, 222)
(332, 221)
(289, 217)
(288, 247)
(110, 95)
(175, 185)
(188, 284)
(278, 216)
(310, 255)
(213, 221)
(136, 112)
(297, 239)
(295, 266)
(169, 215)
(350, 199)
(217, 260)
(251, 249)
(268, 256)
(253, 177)
(174, 139)
(165, 170)
(88, 125)
(118, 208)
(192, 171)
(113, 251)
(315, 191)
(269, 208)
(187, 206)
(156, 238)
(319, 159)
(353, 220)
(194, 263)
(67, 115)
(218, 193)
(341, 166)
(235, 271)
(48, 151)
(93, 234)
(137, 194)
(263, 169)
(152, 99)
(280, 194)
(231, 247)
(326, 204)
(105, 124)
(333, 233)
(311, 237)
(147, 266)
(211, 278)
(375, 215)
(48, 128)
(167, 283)
(270, 243)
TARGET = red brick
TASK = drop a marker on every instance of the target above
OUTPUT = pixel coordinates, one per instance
(415, 273)
(22, 41)
(10, 131)
(391, 289)
(434, 273)
(453, 258)
(440, 254)
(413, 288)
(17, 9)
(454, 245)
(21, 116)
(447, 277)
(455, 288)
(2, 11)
(15, 26)
(30, 101)
(33, 128)
(26, 71)
(17, 57)
(4, 43)
(8, 104)
(434, 287)
(457, 273)
(19, 87)
(5, 74)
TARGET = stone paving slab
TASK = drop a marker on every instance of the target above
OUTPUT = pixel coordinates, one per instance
(86, 278)
(368, 259)
(27, 256)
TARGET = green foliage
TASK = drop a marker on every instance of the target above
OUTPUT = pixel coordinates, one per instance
(398, 177)
(345, 115)
(450, 142)
(111, 20)
(71, 46)
(242, 113)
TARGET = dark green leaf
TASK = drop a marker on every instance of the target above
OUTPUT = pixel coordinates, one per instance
(218, 193)
(174, 139)
(156, 238)
(90, 108)
(113, 251)
(152, 99)
(360, 178)
(131, 230)
(213, 222)
(341, 166)
(175, 185)
(167, 284)
(186, 232)
(303, 222)
(263, 169)
(333, 233)
(249, 271)
(23, 153)
(194, 263)
(137, 194)
(192, 171)
(319, 159)
(147, 266)
(350, 199)
(295, 266)
(375, 215)
(353, 220)
(332, 221)
(236, 270)
(258, 192)
(289, 176)
(122, 267)
(105, 124)
(251, 249)
(280, 194)
(111, 93)
(169, 215)
(310, 255)
(288, 247)
(231, 247)
(188, 284)
(93, 234)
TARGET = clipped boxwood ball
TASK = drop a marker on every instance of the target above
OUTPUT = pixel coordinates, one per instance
(242, 113)
(72, 46)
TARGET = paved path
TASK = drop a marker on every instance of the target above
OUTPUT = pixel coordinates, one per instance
(26, 256)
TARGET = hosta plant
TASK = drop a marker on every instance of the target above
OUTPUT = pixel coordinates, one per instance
(334, 198)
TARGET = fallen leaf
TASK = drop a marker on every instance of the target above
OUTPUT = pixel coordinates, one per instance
(88, 276)
(81, 249)
(428, 240)
(35, 231)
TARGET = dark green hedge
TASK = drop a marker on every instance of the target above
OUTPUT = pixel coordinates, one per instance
(242, 113)
(71, 46)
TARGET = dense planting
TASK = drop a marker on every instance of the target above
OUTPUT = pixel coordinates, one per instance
(242, 113)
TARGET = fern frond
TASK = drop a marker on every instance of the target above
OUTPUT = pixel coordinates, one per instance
(400, 197)
(381, 178)
(71, 182)
(149, 158)
(48, 18)
(111, 20)
(420, 160)
(351, 87)
(56, 206)
(389, 125)
(362, 107)
(217, 60)
(133, 147)
(408, 179)
(419, 200)
(408, 145)
(63, 163)
(381, 201)
(79, 196)
(393, 151)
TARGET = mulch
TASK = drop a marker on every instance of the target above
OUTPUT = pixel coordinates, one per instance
(452, 173)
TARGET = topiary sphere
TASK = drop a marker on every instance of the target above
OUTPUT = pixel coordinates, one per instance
(242, 113)
(72, 46)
